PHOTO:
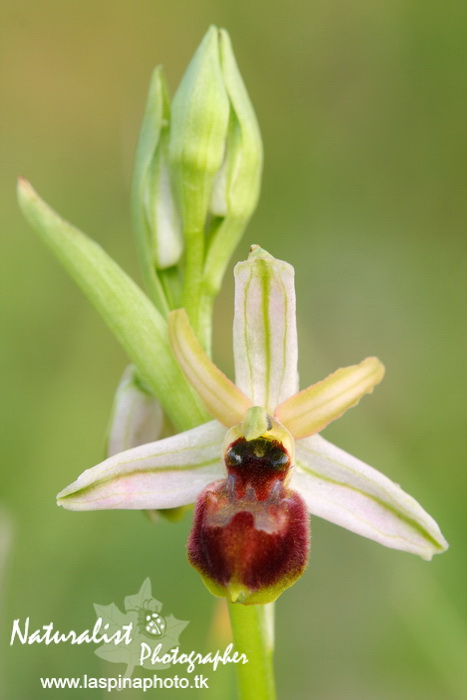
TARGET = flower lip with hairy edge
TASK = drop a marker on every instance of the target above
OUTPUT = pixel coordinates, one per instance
(253, 482)
(250, 537)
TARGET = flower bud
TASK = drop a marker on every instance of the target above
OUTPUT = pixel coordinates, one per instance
(236, 186)
(156, 216)
(215, 145)
(200, 118)
(250, 536)
(137, 416)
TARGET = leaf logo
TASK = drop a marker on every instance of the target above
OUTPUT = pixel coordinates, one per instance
(144, 613)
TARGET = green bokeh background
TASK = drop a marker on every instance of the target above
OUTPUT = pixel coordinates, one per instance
(362, 109)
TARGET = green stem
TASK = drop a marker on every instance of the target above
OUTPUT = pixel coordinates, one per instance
(221, 248)
(206, 303)
(252, 627)
(172, 286)
(194, 255)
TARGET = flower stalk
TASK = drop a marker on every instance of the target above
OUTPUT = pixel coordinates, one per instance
(252, 628)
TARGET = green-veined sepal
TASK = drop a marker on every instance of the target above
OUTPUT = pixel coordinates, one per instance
(164, 474)
(265, 332)
(342, 489)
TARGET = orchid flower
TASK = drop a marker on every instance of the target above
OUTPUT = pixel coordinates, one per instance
(260, 466)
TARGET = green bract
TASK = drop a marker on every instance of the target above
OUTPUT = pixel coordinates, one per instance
(128, 312)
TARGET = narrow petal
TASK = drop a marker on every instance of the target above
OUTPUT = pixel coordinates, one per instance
(221, 397)
(312, 409)
(349, 493)
(163, 474)
(265, 333)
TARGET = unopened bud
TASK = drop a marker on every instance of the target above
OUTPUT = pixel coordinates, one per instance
(215, 144)
(236, 186)
(200, 119)
(156, 216)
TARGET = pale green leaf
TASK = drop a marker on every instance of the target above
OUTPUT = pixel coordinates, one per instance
(128, 312)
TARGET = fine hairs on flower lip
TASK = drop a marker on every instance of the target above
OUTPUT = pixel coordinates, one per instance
(251, 537)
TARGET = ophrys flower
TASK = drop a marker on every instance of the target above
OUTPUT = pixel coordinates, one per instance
(257, 468)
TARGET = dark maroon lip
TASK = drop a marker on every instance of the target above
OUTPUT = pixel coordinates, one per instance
(256, 543)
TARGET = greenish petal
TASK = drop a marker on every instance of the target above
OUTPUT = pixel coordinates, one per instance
(221, 397)
(312, 409)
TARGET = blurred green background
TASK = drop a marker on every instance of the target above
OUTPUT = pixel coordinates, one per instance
(363, 114)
